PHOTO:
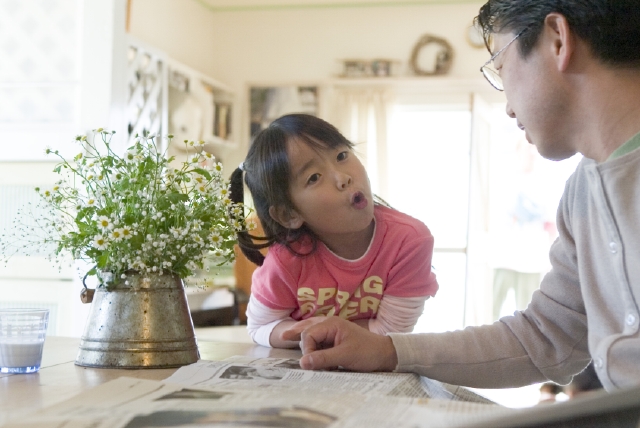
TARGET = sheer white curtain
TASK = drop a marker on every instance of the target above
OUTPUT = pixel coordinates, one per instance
(362, 115)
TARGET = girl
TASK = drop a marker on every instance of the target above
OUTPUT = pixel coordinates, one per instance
(333, 251)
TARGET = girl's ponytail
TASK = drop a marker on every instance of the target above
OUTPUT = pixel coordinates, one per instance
(245, 241)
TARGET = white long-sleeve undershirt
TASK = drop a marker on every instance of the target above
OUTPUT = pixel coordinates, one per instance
(395, 315)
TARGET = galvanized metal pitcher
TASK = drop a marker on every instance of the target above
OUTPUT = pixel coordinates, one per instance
(140, 322)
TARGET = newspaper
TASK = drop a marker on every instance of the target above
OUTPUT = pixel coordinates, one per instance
(280, 375)
(270, 392)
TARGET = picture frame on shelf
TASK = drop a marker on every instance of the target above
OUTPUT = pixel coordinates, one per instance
(268, 103)
(222, 120)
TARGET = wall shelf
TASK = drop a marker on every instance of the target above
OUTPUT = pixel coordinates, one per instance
(200, 107)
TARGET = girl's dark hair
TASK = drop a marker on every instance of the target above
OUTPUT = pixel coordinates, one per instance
(610, 27)
(267, 174)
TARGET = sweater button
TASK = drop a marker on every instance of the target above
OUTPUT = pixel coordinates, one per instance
(613, 247)
(598, 363)
(631, 319)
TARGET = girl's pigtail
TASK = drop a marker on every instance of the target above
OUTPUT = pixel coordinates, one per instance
(245, 240)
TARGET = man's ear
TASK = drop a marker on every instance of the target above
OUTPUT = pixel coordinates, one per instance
(562, 38)
(285, 217)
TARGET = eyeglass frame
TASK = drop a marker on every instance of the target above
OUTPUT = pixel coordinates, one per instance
(485, 69)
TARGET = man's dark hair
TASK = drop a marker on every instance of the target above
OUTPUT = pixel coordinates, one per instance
(610, 27)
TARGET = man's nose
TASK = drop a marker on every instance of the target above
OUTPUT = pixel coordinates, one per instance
(510, 111)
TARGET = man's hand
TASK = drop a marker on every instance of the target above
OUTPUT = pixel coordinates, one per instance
(336, 342)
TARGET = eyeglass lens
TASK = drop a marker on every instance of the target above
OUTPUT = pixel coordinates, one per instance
(493, 78)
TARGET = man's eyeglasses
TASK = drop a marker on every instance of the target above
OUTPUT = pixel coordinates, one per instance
(492, 75)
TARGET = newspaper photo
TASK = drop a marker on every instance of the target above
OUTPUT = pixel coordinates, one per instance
(241, 392)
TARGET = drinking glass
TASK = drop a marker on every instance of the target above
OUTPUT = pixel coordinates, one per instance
(22, 333)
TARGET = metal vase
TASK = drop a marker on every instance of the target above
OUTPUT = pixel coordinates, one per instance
(139, 322)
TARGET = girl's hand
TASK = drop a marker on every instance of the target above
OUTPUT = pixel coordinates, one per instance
(277, 339)
(304, 324)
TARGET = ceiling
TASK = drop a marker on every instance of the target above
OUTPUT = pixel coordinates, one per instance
(248, 5)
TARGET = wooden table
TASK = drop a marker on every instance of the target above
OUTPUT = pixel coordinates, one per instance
(60, 379)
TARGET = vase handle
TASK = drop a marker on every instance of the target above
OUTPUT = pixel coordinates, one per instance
(86, 294)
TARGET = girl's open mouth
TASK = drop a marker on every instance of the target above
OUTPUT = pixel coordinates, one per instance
(359, 201)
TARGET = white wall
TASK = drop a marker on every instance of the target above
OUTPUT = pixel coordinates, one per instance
(297, 46)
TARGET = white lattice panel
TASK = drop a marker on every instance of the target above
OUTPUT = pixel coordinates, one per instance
(147, 91)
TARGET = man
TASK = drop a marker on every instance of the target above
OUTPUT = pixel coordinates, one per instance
(571, 72)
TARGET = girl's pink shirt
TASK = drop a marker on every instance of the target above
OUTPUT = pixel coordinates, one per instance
(397, 263)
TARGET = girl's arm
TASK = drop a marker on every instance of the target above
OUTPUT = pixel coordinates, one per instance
(397, 314)
(262, 322)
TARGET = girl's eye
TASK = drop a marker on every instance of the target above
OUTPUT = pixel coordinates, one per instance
(342, 156)
(315, 177)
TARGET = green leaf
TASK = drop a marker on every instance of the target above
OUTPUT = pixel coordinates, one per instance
(177, 197)
(83, 227)
(103, 259)
(203, 172)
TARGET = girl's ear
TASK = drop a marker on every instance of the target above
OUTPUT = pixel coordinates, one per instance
(286, 218)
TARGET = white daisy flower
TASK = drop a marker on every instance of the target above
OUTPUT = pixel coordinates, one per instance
(105, 223)
(126, 232)
(218, 253)
(99, 242)
(215, 238)
(117, 235)
(130, 156)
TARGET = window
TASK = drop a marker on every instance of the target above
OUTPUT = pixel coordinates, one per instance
(432, 184)
(469, 189)
(39, 79)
